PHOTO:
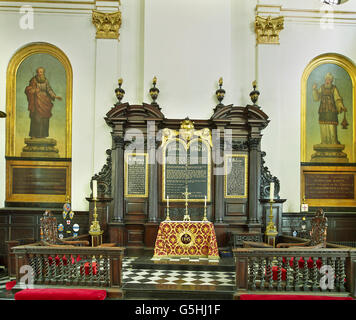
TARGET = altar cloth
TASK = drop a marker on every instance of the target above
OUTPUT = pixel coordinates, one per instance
(190, 239)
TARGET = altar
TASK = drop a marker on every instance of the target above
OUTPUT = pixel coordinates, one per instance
(186, 239)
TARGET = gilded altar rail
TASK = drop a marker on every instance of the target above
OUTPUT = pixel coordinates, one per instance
(295, 270)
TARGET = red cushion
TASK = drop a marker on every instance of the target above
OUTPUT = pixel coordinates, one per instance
(9, 285)
(275, 274)
(289, 297)
(60, 294)
(64, 259)
(301, 262)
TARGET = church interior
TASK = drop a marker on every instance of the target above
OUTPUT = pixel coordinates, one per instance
(178, 150)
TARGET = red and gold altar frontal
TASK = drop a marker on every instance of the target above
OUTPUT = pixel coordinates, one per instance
(188, 239)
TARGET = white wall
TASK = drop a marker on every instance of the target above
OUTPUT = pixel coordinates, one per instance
(188, 45)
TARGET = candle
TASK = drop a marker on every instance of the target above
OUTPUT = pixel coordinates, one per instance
(271, 191)
(95, 189)
(205, 201)
(167, 201)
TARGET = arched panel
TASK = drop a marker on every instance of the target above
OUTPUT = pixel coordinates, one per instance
(39, 126)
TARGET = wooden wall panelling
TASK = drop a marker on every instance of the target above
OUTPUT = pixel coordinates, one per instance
(22, 223)
(341, 225)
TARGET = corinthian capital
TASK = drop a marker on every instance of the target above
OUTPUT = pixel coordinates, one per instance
(268, 29)
(107, 24)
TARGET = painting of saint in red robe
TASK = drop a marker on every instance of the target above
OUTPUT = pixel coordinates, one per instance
(40, 97)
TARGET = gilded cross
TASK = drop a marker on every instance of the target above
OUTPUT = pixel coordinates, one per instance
(186, 194)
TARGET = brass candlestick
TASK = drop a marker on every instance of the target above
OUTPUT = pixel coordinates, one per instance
(205, 218)
(271, 229)
(167, 217)
(95, 230)
(186, 216)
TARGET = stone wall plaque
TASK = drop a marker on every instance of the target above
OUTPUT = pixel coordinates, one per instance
(236, 175)
(136, 175)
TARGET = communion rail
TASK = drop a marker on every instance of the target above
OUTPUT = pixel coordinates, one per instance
(295, 270)
(62, 266)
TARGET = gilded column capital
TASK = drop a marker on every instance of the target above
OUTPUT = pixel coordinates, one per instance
(267, 29)
(107, 24)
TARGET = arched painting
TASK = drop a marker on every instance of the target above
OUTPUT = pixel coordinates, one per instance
(39, 125)
(328, 127)
(328, 173)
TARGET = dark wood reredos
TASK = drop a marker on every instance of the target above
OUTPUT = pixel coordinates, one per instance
(133, 222)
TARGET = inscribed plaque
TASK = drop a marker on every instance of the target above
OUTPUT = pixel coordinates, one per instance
(136, 175)
(329, 186)
(236, 176)
(186, 166)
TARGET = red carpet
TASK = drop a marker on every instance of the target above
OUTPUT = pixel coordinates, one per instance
(60, 294)
(289, 297)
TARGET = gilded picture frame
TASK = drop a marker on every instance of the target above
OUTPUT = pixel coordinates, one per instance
(58, 71)
(38, 126)
(328, 132)
(319, 128)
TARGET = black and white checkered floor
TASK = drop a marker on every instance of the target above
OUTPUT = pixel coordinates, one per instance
(175, 277)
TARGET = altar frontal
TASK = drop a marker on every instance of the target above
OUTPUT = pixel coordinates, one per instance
(186, 239)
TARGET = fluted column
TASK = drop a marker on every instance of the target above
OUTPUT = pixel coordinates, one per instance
(253, 188)
(117, 213)
(219, 179)
(153, 182)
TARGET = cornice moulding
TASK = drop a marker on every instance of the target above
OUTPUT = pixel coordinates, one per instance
(61, 6)
(307, 15)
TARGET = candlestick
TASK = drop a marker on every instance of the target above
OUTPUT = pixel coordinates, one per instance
(95, 189)
(95, 231)
(186, 193)
(167, 217)
(205, 218)
(271, 191)
(271, 230)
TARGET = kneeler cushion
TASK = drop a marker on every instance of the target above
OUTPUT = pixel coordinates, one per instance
(9, 285)
(60, 294)
(301, 263)
(275, 273)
